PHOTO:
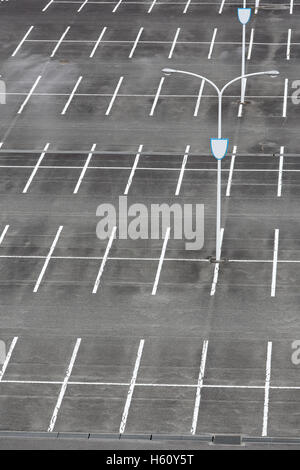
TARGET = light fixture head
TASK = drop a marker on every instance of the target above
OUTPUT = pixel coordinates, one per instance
(244, 15)
(168, 71)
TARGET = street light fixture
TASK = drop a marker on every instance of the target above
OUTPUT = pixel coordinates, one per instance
(219, 146)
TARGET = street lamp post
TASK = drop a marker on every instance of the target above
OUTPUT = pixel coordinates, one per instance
(244, 15)
(219, 146)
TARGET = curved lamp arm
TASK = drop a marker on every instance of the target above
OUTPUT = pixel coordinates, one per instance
(269, 72)
(194, 75)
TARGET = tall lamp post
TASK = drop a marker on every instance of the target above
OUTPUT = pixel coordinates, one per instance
(219, 146)
(244, 15)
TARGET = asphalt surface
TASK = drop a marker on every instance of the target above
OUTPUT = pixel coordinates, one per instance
(250, 383)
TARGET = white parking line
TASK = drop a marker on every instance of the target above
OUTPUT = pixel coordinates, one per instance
(4, 232)
(157, 96)
(36, 168)
(131, 387)
(199, 387)
(217, 269)
(241, 105)
(47, 260)
(280, 171)
(267, 390)
(152, 6)
(187, 6)
(250, 44)
(184, 161)
(84, 169)
(114, 96)
(256, 6)
(98, 41)
(199, 98)
(64, 386)
(59, 42)
(285, 97)
(212, 43)
(133, 169)
(82, 6)
(174, 43)
(275, 261)
(136, 43)
(161, 260)
(8, 356)
(230, 175)
(29, 94)
(291, 7)
(99, 275)
(71, 96)
(47, 6)
(288, 47)
(221, 7)
(117, 6)
(22, 41)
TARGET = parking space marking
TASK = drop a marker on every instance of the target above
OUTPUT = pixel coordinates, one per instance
(64, 386)
(161, 260)
(136, 43)
(154, 385)
(152, 6)
(47, 260)
(22, 41)
(275, 261)
(84, 169)
(267, 389)
(217, 268)
(71, 96)
(280, 171)
(198, 102)
(131, 387)
(133, 169)
(98, 41)
(174, 43)
(29, 94)
(60, 41)
(250, 47)
(4, 232)
(187, 6)
(104, 260)
(288, 46)
(8, 356)
(230, 175)
(157, 96)
(199, 387)
(82, 6)
(221, 7)
(241, 105)
(114, 96)
(184, 161)
(117, 6)
(291, 7)
(38, 163)
(256, 6)
(285, 97)
(47, 6)
(212, 43)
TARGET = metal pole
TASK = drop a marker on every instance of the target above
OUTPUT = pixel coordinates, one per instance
(219, 181)
(243, 89)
